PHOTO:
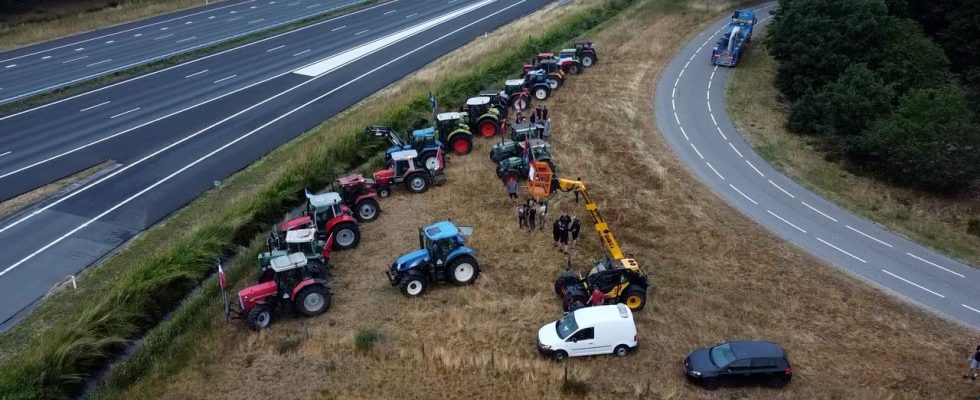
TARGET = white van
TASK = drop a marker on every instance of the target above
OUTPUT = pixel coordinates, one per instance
(588, 331)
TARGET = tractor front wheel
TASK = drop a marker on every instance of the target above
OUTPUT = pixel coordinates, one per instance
(465, 269)
(259, 317)
(384, 191)
(634, 298)
(413, 284)
(312, 300)
(462, 145)
(488, 128)
(367, 210)
(346, 235)
(541, 93)
(417, 183)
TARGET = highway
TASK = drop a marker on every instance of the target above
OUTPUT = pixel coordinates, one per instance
(175, 131)
(691, 114)
(45, 66)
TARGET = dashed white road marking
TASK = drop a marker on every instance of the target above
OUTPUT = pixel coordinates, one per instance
(819, 212)
(80, 49)
(45, 57)
(709, 106)
(275, 48)
(696, 151)
(787, 222)
(302, 52)
(138, 35)
(935, 265)
(10, 66)
(97, 105)
(682, 72)
(100, 62)
(110, 42)
(235, 19)
(719, 128)
(715, 170)
(292, 4)
(754, 168)
(964, 305)
(709, 84)
(364, 31)
(163, 37)
(1, 155)
(162, 29)
(188, 22)
(736, 150)
(389, 12)
(912, 283)
(411, 15)
(676, 81)
(672, 104)
(842, 250)
(225, 78)
(196, 74)
(780, 188)
(338, 28)
(868, 236)
(124, 113)
(258, 20)
(74, 59)
(313, 6)
(684, 133)
(713, 119)
(186, 39)
(673, 92)
(707, 96)
(676, 118)
(743, 194)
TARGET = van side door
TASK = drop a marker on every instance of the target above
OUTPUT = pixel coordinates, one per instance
(581, 343)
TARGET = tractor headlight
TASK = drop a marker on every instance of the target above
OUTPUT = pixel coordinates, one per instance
(695, 373)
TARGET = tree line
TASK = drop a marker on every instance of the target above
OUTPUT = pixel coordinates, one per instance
(889, 85)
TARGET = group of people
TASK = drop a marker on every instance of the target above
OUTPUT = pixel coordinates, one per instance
(565, 231)
(539, 116)
(531, 214)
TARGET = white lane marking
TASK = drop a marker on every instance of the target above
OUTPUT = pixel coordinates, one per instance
(258, 20)
(302, 52)
(124, 113)
(80, 49)
(196, 74)
(364, 31)
(225, 78)
(964, 305)
(712, 77)
(743, 194)
(687, 64)
(780, 188)
(736, 150)
(676, 118)
(935, 265)
(338, 28)
(188, 22)
(235, 19)
(211, 17)
(389, 12)
(110, 42)
(819, 212)
(709, 85)
(787, 222)
(715, 170)
(315, 5)
(1, 155)
(252, 7)
(696, 151)
(719, 129)
(682, 73)
(673, 92)
(842, 250)
(867, 235)
(163, 37)
(912, 283)
(240, 138)
(186, 39)
(676, 81)
(275, 48)
(120, 32)
(162, 29)
(684, 133)
(95, 106)
(411, 15)
(138, 35)
(293, 4)
(74, 59)
(11, 66)
(232, 12)
(713, 119)
(754, 168)
(709, 106)
(45, 57)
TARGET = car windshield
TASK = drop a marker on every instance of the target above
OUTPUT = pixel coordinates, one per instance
(566, 326)
(722, 355)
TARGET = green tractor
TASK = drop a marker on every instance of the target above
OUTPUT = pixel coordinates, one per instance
(511, 148)
(517, 168)
(452, 129)
(299, 241)
(482, 115)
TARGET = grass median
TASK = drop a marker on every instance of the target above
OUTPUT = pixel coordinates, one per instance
(948, 223)
(54, 351)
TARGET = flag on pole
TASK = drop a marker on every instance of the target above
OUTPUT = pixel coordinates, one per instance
(440, 158)
(222, 280)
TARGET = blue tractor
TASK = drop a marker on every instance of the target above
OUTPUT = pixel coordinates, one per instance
(441, 257)
(735, 40)
(423, 141)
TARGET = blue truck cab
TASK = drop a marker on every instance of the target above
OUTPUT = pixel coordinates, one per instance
(442, 257)
(734, 40)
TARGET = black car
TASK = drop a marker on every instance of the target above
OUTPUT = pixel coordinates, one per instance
(737, 363)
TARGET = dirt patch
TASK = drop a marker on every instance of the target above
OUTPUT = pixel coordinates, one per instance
(715, 274)
(13, 205)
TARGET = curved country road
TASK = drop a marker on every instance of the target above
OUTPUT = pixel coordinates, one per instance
(691, 114)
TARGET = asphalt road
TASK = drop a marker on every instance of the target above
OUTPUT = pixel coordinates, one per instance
(45, 66)
(691, 114)
(175, 131)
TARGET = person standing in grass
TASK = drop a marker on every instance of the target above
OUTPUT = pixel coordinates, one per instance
(544, 114)
(532, 211)
(521, 216)
(542, 214)
(556, 228)
(974, 365)
(512, 189)
(563, 224)
(574, 229)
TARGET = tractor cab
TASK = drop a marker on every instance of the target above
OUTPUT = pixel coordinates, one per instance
(568, 61)
(585, 52)
(291, 283)
(510, 148)
(539, 83)
(452, 128)
(404, 168)
(498, 100)
(422, 140)
(482, 116)
(442, 257)
(299, 241)
(359, 195)
(523, 131)
(620, 281)
(328, 216)
(324, 207)
(744, 17)
(512, 86)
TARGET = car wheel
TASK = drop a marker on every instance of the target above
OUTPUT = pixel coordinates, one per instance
(776, 383)
(711, 384)
(621, 350)
(560, 355)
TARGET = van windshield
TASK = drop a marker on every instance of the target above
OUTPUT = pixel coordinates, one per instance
(566, 325)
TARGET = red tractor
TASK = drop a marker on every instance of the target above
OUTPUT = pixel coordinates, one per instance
(329, 216)
(585, 52)
(518, 95)
(359, 195)
(404, 169)
(293, 286)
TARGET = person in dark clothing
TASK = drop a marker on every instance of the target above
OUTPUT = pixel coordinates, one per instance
(532, 211)
(563, 224)
(574, 229)
(534, 118)
(512, 189)
(556, 230)
(544, 113)
(272, 242)
(576, 192)
(539, 113)
(974, 365)
(521, 216)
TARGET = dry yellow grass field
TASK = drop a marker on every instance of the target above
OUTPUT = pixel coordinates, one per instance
(715, 274)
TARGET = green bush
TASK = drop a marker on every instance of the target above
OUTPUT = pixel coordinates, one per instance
(365, 339)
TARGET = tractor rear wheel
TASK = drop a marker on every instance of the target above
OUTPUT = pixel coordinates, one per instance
(487, 127)
(541, 93)
(574, 69)
(634, 297)
(566, 278)
(587, 60)
(554, 82)
(417, 182)
(312, 300)
(520, 103)
(462, 144)
(464, 269)
(413, 284)
(259, 317)
(367, 210)
(346, 235)
(430, 161)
